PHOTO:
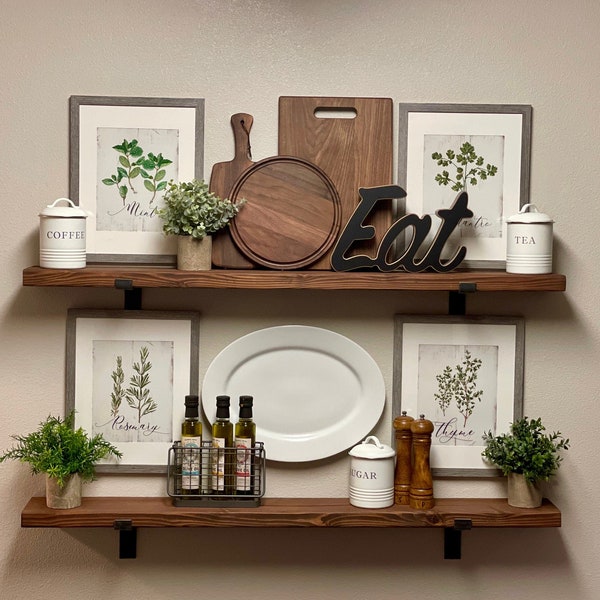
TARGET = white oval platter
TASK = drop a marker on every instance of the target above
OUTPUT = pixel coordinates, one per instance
(316, 392)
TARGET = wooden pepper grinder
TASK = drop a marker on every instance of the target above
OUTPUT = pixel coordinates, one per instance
(421, 482)
(402, 475)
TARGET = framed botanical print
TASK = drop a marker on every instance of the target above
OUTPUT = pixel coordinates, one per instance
(481, 149)
(123, 152)
(465, 374)
(128, 373)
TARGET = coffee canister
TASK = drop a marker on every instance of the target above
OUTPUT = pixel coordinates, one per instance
(529, 241)
(372, 467)
(62, 236)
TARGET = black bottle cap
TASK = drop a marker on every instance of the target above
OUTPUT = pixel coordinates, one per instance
(246, 400)
(191, 407)
(246, 407)
(223, 407)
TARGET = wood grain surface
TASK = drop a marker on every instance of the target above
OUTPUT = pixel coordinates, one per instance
(354, 152)
(292, 213)
(288, 512)
(159, 277)
(222, 179)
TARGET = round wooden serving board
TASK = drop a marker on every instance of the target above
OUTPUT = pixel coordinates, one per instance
(292, 214)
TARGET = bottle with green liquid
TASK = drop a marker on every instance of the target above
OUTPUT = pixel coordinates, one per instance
(191, 443)
(245, 437)
(222, 458)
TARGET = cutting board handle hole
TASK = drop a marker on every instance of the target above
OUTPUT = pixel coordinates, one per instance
(326, 112)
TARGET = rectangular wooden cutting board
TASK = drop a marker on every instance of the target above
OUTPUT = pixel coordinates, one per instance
(354, 152)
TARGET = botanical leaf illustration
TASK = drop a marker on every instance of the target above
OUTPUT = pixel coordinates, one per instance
(460, 384)
(138, 392)
(468, 167)
(118, 393)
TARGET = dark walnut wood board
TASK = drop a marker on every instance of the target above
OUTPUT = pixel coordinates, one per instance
(292, 214)
(354, 152)
(222, 179)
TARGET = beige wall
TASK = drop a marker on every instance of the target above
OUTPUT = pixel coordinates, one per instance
(241, 56)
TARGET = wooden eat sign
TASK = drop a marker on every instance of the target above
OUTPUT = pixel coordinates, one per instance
(355, 231)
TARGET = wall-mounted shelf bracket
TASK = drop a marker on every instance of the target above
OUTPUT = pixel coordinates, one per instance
(457, 300)
(453, 538)
(133, 296)
(127, 538)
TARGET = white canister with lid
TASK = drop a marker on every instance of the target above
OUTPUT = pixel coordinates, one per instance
(529, 242)
(62, 236)
(372, 468)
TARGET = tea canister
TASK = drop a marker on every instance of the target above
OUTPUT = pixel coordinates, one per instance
(529, 242)
(372, 468)
(62, 236)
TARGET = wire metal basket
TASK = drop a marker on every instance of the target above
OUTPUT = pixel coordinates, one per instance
(216, 477)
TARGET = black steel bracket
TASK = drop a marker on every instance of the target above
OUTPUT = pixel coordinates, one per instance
(127, 538)
(133, 296)
(453, 538)
(457, 300)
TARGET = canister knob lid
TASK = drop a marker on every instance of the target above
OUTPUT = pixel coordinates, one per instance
(63, 211)
(371, 447)
(529, 214)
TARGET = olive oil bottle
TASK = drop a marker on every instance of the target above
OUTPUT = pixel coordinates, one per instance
(191, 444)
(245, 437)
(222, 451)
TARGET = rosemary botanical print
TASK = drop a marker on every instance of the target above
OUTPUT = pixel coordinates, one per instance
(130, 378)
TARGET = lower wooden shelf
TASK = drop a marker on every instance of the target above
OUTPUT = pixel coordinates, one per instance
(126, 514)
(288, 512)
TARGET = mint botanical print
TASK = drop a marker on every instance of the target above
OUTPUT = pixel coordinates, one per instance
(133, 163)
(132, 170)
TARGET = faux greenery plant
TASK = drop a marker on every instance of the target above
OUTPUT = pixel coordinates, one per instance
(527, 449)
(59, 450)
(191, 209)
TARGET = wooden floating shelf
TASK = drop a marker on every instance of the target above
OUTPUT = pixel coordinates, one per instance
(288, 512)
(126, 514)
(161, 277)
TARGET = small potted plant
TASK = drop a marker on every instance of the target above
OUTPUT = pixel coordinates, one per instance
(527, 455)
(66, 455)
(193, 213)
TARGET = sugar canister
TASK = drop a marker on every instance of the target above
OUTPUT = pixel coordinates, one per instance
(62, 236)
(372, 474)
(529, 242)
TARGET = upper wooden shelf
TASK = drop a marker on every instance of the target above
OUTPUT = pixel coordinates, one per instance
(288, 512)
(161, 277)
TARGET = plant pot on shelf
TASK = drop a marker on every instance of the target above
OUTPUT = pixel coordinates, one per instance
(522, 493)
(67, 496)
(194, 254)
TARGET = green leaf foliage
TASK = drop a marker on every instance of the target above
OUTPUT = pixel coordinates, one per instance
(58, 449)
(191, 209)
(527, 449)
(468, 166)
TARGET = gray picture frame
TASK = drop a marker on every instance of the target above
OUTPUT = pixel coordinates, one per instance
(89, 334)
(182, 119)
(421, 347)
(465, 120)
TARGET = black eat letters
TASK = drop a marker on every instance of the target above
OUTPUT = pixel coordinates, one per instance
(355, 231)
